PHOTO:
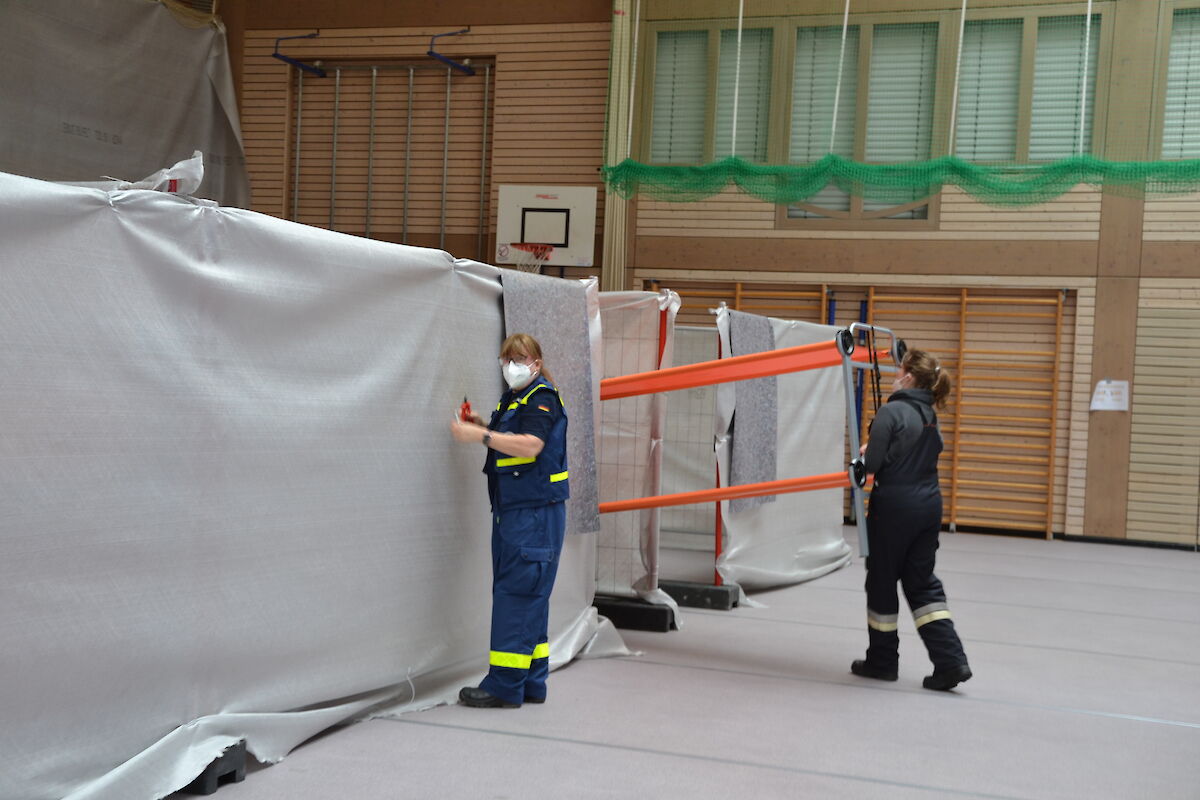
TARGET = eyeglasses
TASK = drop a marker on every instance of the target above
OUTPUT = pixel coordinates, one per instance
(518, 360)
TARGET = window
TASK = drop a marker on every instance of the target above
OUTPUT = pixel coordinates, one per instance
(815, 83)
(753, 96)
(680, 97)
(1181, 118)
(900, 89)
(1058, 76)
(989, 86)
(684, 92)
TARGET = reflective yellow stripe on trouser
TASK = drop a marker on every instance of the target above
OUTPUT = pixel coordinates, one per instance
(930, 613)
(497, 658)
(512, 660)
(885, 623)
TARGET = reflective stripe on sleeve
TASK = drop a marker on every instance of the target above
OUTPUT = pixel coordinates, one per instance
(559, 476)
(542, 650)
(513, 660)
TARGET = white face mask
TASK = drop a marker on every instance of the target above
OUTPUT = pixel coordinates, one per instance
(517, 375)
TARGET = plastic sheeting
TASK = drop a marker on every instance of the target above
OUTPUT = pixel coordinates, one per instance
(799, 536)
(95, 88)
(233, 508)
(630, 453)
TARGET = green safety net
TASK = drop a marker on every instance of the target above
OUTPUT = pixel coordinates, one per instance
(1006, 185)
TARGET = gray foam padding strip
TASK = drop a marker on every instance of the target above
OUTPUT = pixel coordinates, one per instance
(753, 450)
(554, 311)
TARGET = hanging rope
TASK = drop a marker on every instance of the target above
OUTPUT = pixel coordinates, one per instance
(1087, 42)
(962, 27)
(737, 80)
(837, 89)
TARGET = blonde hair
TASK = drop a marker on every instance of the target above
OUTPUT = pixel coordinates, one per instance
(525, 346)
(928, 374)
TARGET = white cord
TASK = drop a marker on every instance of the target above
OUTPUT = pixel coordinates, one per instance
(1087, 41)
(837, 90)
(737, 79)
(637, 13)
(962, 26)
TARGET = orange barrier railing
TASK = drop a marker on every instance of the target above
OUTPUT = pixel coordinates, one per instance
(830, 480)
(738, 368)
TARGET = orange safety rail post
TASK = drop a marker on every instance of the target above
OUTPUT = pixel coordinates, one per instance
(738, 368)
(830, 480)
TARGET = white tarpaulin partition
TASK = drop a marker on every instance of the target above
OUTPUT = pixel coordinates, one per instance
(232, 504)
(94, 88)
(796, 537)
(629, 458)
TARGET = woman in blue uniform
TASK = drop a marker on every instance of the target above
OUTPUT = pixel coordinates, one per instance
(902, 527)
(526, 465)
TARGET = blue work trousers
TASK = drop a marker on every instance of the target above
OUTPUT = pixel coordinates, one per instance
(526, 545)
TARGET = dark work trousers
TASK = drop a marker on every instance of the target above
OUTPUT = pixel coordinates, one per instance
(526, 545)
(902, 533)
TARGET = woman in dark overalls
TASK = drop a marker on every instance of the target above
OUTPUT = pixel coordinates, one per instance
(526, 465)
(903, 524)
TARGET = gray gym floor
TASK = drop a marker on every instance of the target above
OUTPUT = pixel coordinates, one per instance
(1087, 685)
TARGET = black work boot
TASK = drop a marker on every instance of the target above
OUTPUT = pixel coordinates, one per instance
(865, 669)
(947, 679)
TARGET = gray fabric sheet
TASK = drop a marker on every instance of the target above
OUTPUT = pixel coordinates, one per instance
(232, 504)
(95, 88)
(798, 537)
(555, 312)
(752, 451)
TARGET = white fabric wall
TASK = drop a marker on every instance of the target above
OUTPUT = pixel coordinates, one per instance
(232, 505)
(797, 537)
(95, 88)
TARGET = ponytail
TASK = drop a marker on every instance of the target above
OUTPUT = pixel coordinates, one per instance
(928, 374)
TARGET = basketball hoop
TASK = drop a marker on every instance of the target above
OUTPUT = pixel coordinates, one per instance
(530, 256)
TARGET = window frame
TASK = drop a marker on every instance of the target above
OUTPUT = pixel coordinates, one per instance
(1162, 63)
(782, 77)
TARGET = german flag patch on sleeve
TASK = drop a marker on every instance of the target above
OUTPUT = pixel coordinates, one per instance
(544, 408)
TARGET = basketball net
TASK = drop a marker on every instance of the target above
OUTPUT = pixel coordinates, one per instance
(530, 256)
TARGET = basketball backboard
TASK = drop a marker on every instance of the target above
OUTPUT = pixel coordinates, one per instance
(562, 216)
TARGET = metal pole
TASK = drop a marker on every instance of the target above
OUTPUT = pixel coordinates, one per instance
(371, 152)
(407, 155)
(445, 161)
(856, 499)
(483, 157)
(337, 97)
(299, 120)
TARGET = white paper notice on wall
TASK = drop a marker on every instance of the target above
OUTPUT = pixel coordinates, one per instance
(1110, 396)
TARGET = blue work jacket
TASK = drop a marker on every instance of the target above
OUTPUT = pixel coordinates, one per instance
(518, 482)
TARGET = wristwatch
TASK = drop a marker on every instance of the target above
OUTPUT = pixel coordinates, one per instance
(487, 437)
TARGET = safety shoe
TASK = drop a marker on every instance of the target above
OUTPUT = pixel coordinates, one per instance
(947, 679)
(529, 699)
(865, 669)
(475, 697)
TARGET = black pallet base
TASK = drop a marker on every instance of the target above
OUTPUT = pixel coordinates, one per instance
(229, 767)
(702, 595)
(635, 615)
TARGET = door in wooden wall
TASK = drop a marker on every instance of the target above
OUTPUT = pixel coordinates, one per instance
(398, 152)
